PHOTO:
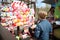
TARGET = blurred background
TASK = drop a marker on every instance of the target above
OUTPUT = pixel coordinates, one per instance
(52, 7)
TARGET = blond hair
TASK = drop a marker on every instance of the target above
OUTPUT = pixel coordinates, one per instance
(42, 14)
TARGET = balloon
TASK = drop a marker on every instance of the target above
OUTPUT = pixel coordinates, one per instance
(24, 16)
(14, 24)
(7, 9)
(3, 24)
(27, 19)
(4, 14)
(24, 20)
(19, 24)
(19, 17)
(21, 13)
(18, 20)
(15, 21)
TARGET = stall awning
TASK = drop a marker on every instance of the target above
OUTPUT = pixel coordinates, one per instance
(50, 1)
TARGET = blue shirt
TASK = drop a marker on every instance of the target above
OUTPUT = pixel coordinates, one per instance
(45, 27)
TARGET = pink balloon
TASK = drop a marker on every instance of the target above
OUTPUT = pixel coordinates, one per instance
(19, 17)
(27, 19)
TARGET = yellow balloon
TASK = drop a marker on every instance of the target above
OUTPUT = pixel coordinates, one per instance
(19, 23)
(24, 16)
(21, 13)
(25, 23)
(18, 20)
(3, 24)
(15, 20)
(4, 14)
(6, 9)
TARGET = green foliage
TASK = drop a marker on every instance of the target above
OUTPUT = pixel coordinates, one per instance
(57, 10)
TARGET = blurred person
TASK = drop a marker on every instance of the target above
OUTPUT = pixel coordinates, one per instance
(43, 28)
(51, 14)
(5, 34)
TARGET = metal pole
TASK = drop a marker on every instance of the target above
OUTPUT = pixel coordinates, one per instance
(18, 30)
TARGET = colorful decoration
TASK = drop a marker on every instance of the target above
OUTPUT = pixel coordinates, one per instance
(24, 15)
